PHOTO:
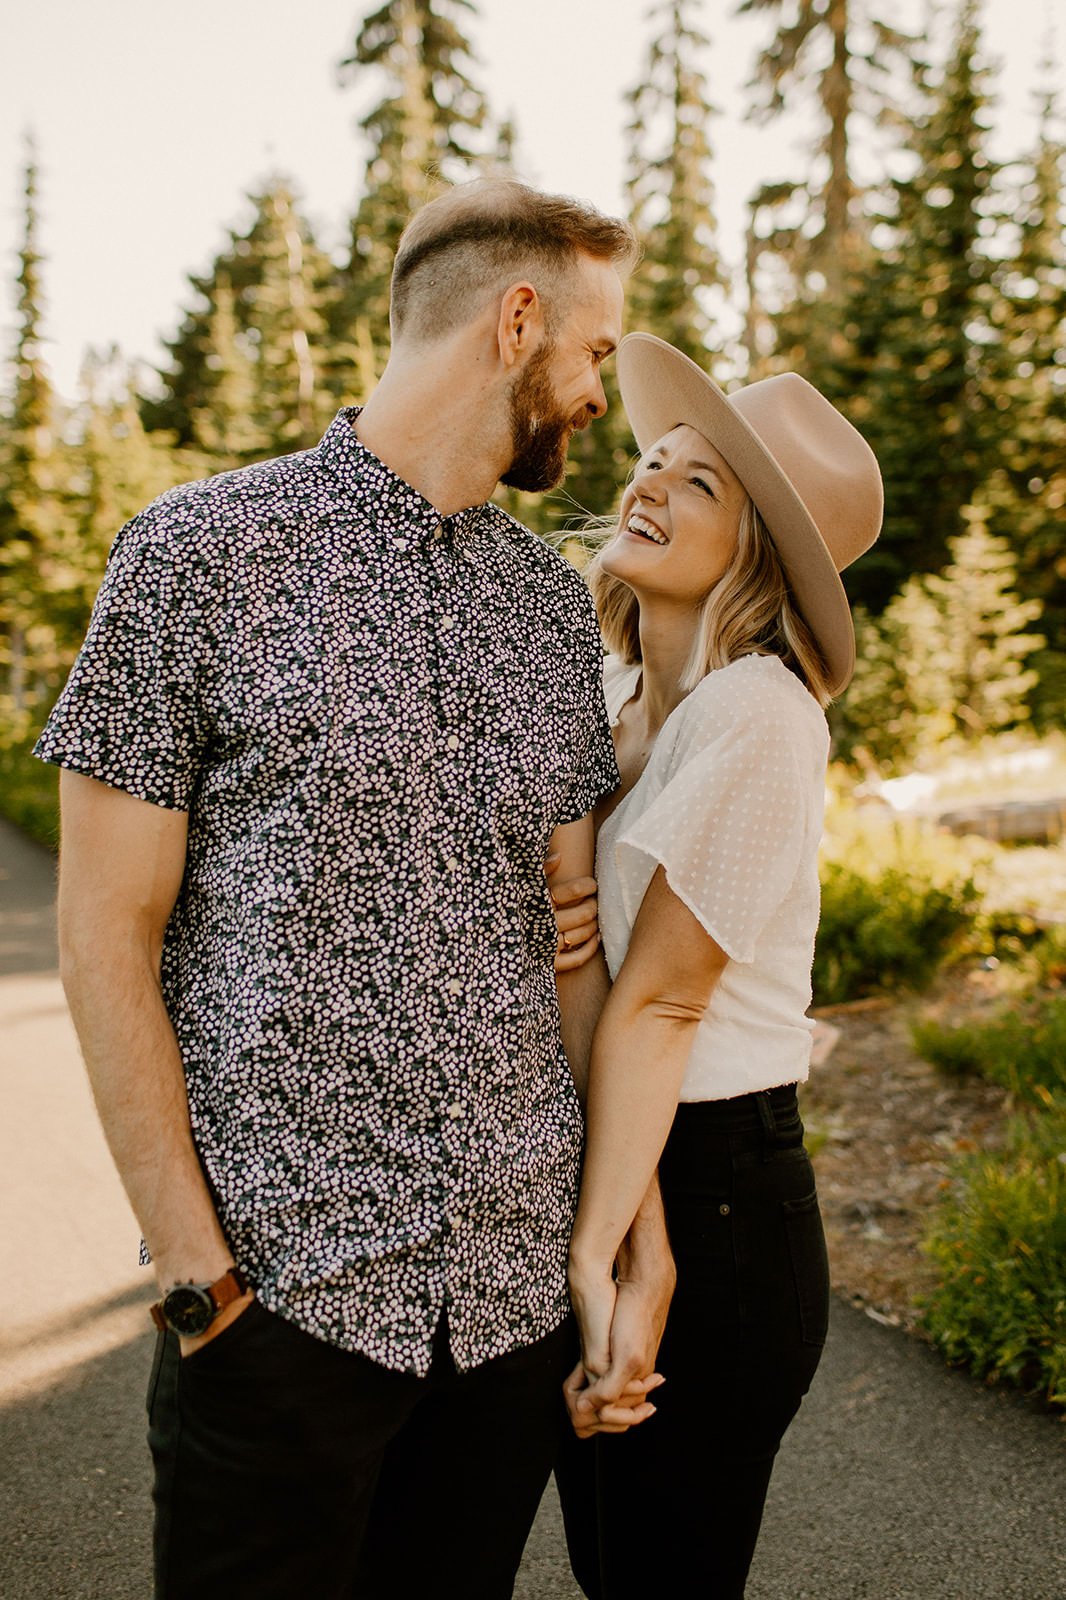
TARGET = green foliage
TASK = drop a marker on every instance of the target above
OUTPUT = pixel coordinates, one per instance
(250, 367)
(998, 1242)
(29, 791)
(419, 134)
(671, 194)
(1023, 1049)
(884, 930)
(897, 901)
(943, 667)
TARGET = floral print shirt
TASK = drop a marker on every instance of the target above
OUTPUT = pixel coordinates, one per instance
(374, 718)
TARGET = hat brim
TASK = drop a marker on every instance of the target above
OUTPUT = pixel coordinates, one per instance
(661, 390)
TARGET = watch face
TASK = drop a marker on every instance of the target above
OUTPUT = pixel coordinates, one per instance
(188, 1309)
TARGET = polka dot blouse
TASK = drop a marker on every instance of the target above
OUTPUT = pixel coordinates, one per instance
(374, 718)
(730, 805)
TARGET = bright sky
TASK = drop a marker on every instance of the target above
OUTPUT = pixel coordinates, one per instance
(153, 121)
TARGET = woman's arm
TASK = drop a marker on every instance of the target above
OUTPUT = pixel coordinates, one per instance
(639, 1055)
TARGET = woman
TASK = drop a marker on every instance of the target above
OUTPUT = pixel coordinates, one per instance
(729, 631)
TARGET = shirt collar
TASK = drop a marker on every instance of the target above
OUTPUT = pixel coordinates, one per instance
(360, 472)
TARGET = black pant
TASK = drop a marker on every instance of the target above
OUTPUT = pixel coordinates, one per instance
(674, 1506)
(286, 1469)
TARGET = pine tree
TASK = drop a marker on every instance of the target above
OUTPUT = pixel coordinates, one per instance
(1028, 494)
(420, 135)
(247, 371)
(671, 194)
(944, 665)
(817, 231)
(987, 630)
(922, 363)
(31, 502)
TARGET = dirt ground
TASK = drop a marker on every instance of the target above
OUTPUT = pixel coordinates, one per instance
(883, 1127)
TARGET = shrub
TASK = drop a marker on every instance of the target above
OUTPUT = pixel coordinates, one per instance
(887, 930)
(29, 791)
(1024, 1050)
(998, 1240)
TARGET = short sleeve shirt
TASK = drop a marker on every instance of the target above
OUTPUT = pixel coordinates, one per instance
(730, 805)
(374, 718)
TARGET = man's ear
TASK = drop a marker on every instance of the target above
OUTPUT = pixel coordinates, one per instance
(521, 322)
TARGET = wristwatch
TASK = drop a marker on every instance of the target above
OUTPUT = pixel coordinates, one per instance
(190, 1308)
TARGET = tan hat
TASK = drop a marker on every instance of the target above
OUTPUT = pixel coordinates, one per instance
(812, 475)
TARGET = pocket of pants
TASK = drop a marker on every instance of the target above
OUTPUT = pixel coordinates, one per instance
(810, 1265)
(157, 1367)
(230, 1337)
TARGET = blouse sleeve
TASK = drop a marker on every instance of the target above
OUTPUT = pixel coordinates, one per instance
(728, 827)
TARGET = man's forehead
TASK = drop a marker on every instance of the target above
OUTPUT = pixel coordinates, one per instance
(599, 301)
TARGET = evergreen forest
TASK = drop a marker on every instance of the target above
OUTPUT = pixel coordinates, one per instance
(929, 304)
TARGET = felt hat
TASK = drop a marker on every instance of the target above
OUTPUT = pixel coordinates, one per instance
(812, 476)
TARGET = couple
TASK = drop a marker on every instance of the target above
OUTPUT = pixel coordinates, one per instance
(331, 715)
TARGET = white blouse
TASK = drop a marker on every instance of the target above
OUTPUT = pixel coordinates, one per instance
(730, 804)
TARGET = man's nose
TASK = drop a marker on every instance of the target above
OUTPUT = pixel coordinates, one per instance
(597, 405)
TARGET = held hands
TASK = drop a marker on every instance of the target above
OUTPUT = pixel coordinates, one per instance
(621, 1320)
(575, 908)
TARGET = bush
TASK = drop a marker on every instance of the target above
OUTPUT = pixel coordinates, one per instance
(998, 1240)
(1024, 1050)
(890, 929)
(29, 791)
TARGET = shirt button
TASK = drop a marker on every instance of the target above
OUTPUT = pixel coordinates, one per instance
(453, 741)
(446, 623)
(454, 986)
(452, 863)
(455, 1110)
(401, 544)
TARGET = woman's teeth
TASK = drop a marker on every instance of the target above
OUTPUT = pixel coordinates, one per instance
(638, 525)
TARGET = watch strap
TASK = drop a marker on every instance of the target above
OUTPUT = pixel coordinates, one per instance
(223, 1292)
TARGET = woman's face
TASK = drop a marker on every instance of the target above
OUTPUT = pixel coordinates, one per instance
(678, 524)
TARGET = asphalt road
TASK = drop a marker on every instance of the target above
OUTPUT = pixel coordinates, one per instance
(900, 1480)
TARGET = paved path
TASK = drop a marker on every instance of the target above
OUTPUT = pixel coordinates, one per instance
(899, 1481)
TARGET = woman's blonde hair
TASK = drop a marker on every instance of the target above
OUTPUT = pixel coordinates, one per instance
(749, 610)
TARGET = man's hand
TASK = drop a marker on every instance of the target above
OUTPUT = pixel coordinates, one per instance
(631, 1408)
(621, 1317)
(576, 917)
(228, 1314)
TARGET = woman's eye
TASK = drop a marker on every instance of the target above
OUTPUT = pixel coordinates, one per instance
(704, 486)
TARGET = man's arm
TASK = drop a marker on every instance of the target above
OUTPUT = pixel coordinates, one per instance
(121, 867)
(583, 989)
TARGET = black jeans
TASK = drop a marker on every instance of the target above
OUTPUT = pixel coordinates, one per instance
(286, 1469)
(674, 1506)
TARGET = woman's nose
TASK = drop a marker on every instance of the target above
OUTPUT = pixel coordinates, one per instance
(648, 486)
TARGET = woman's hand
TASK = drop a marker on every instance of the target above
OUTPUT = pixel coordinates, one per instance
(607, 1390)
(575, 906)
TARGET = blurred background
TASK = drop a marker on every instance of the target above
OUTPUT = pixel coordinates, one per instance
(202, 206)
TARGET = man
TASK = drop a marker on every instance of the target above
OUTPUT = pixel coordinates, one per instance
(331, 712)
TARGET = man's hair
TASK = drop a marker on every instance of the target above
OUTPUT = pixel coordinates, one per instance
(750, 610)
(477, 239)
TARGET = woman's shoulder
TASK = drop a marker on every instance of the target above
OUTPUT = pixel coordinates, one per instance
(754, 695)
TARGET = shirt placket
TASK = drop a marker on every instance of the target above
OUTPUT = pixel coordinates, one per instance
(453, 834)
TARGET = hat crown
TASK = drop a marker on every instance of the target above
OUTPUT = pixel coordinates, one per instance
(827, 461)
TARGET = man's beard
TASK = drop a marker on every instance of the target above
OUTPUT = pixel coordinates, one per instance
(540, 434)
